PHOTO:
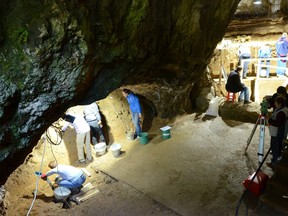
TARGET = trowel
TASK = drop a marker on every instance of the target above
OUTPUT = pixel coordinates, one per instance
(50, 183)
(47, 179)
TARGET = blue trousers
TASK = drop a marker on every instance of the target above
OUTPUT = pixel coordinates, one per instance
(244, 94)
(74, 183)
(96, 129)
(136, 122)
(281, 63)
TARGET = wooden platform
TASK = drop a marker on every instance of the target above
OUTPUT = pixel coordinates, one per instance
(258, 87)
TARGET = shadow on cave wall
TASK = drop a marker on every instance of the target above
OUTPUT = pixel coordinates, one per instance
(149, 112)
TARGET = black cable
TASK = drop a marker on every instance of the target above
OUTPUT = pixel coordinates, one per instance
(250, 183)
(59, 135)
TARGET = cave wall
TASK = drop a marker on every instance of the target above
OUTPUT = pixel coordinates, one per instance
(57, 53)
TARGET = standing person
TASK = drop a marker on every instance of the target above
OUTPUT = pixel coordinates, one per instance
(68, 176)
(281, 91)
(135, 109)
(234, 85)
(282, 51)
(263, 53)
(82, 129)
(93, 118)
(244, 53)
(277, 123)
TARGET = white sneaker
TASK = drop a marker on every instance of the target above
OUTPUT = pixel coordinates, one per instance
(83, 161)
(90, 159)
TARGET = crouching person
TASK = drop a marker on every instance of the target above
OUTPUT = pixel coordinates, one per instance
(68, 176)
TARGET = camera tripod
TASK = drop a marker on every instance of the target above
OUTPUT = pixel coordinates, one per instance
(262, 120)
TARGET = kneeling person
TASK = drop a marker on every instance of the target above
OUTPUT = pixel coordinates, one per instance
(68, 176)
(234, 85)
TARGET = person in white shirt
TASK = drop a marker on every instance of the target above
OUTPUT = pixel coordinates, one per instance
(68, 176)
(82, 129)
(93, 118)
(265, 52)
(244, 54)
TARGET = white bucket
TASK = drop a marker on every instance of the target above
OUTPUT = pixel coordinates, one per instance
(263, 73)
(130, 135)
(61, 193)
(116, 149)
(100, 148)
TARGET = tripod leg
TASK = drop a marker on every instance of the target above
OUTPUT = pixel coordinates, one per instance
(261, 139)
(252, 134)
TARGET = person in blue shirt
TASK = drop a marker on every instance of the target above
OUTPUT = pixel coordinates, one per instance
(263, 53)
(282, 51)
(135, 109)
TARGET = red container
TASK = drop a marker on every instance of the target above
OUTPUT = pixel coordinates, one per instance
(259, 183)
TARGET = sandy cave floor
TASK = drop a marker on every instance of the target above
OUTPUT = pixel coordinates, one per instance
(198, 171)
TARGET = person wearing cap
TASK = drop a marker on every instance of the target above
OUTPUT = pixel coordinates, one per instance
(67, 176)
(234, 85)
(82, 129)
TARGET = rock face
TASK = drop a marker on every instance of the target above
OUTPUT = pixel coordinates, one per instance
(55, 54)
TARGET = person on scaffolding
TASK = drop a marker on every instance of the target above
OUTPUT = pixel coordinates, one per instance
(68, 176)
(282, 51)
(135, 109)
(263, 53)
(277, 123)
(244, 54)
(234, 85)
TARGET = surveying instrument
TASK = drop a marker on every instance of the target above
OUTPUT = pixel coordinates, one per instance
(262, 121)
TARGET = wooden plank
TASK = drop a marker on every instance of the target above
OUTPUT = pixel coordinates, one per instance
(87, 196)
(86, 172)
(87, 187)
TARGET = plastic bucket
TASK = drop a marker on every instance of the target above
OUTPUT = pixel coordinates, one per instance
(130, 135)
(100, 148)
(115, 149)
(166, 134)
(263, 73)
(61, 193)
(143, 138)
